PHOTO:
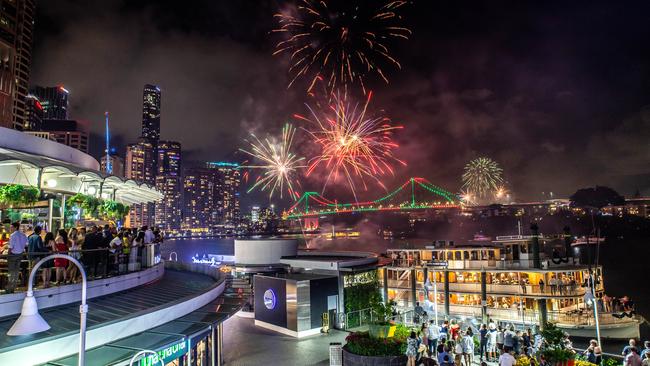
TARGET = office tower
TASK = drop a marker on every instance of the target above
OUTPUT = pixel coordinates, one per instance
(168, 158)
(67, 132)
(226, 193)
(33, 114)
(151, 113)
(168, 182)
(16, 28)
(54, 100)
(140, 167)
(198, 194)
(117, 164)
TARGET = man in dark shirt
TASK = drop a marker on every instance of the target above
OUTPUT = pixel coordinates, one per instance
(91, 258)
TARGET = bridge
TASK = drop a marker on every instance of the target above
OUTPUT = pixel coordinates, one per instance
(414, 194)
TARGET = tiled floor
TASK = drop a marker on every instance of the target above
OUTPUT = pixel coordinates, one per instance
(248, 345)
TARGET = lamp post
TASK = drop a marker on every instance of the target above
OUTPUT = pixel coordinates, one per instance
(590, 299)
(30, 321)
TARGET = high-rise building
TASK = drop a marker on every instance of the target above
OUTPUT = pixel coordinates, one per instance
(33, 114)
(54, 100)
(140, 167)
(168, 182)
(198, 194)
(151, 113)
(16, 33)
(117, 165)
(226, 193)
(67, 132)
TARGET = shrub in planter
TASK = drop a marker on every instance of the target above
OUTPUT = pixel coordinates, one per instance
(361, 343)
(382, 327)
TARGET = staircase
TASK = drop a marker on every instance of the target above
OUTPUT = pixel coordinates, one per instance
(240, 287)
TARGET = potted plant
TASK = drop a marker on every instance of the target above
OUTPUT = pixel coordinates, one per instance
(555, 350)
(18, 195)
(382, 326)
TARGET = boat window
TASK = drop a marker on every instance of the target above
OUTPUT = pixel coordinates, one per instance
(458, 255)
(474, 255)
(466, 255)
(491, 254)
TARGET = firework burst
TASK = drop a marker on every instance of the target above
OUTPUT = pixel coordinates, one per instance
(342, 41)
(352, 144)
(482, 176)
(277, 161)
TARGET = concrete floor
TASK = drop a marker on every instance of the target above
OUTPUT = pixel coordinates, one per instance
(247, 345)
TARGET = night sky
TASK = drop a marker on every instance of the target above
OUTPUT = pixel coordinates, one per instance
(557, 92)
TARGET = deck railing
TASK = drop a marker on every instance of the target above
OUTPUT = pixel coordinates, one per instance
(98, 263)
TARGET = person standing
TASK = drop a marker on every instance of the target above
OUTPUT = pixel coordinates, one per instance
(17, 244)
(433, 333)
(632, 358)
(468, 347)
(36, 250)
(509, 339)
(631, 344)
(411, 349)
(483, 339)
(492, 343)
(541, 285)
(61, 247)
(506, 359)
(500, 339)
(75, 247)
(92, 242)
(149, 236)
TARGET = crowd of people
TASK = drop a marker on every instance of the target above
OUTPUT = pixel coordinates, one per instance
(450, 345)
(101, 250)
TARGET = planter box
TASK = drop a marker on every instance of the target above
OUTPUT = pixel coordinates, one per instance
(381, 331)
(350, 359)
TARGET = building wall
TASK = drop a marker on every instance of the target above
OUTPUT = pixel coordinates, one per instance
(198, 205)
(151, 113)
(226, 193)
(168, 182)
(276, 315)
(23, 63)
(264, 251)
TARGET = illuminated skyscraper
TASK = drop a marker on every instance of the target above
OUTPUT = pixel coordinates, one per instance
(54, 100)
(198, 194)
(139, 166)
(16, 28)
(226, 193)
(168, 182)
(151, 113)
(117, 164)
(33, 114)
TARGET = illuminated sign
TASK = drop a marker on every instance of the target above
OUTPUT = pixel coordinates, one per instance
(167, 354)
(269, 299)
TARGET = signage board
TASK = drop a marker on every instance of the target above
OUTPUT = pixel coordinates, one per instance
(166, 354)
(438, 264)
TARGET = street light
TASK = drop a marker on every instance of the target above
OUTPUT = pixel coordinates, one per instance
(590, 300)
(30, 321)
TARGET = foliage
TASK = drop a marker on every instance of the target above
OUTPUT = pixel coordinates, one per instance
(360, 343)
(383, 311)
(586, 363)
(360, 295)
(526, 361)
(17, 194)
(608, 361)
(597, 197)
(554, 347)
(94, 207)
(402, 331)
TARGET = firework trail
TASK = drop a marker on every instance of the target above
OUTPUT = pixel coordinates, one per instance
(278, 162)
(481, 177)
(352, 144)
(342, 41)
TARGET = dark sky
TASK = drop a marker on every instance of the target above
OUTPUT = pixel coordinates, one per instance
(558, 92)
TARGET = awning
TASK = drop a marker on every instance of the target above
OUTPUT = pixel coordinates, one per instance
(56, 176)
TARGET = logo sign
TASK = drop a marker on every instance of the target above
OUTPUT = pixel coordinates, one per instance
(167, 354)
(269, 299)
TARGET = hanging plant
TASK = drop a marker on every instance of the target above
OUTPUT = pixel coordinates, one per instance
(18, 195)
(113, 210)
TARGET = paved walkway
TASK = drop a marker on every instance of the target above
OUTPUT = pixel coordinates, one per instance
(247, 345)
